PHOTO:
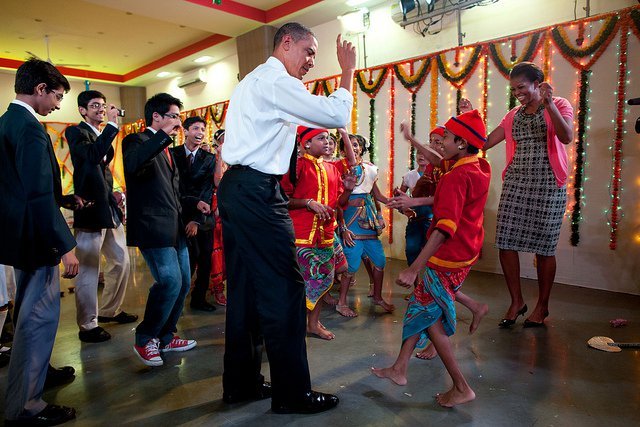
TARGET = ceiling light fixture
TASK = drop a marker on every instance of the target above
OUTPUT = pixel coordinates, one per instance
(163, 74)
(354, 3)
(202, 59)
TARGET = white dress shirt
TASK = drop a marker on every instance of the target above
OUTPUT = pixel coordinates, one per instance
(264, 111)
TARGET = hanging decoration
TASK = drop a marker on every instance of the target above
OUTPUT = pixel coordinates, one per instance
(485, 93)
(574, 54)
(433, 97)
(219, 113)
(576, 216)
(354, 109)
(371, 87)
(634, 17)
(413, 81)
(529, 51)
(392, 149)
(460, 77)
(614, 213)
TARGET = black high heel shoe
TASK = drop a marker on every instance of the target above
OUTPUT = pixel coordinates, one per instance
(530, 324)
(505, 323)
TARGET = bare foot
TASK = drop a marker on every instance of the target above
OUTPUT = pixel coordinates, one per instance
(329, 299)
(390, 373)
(477, 317)
(455, 397)
(382, 303)
(345, 311)
(322, 333)
(320, 325)
(428, 353)
(220, 299)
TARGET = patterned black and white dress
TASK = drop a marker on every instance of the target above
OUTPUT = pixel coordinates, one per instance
(531, 204)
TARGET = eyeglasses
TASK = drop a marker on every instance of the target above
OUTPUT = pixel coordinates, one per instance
(172, 115)
(97, 106)
(59, 95)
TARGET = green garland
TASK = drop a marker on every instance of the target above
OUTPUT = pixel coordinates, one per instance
(576, 216)
(374, 86)
(461, 77)
(635, 19)
(412, 150)
(512, 101)
(528, 55)
(559, 40)
(372, 130)
(418, 80)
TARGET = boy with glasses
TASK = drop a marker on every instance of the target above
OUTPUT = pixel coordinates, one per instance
(34, 238)
(98, 227)
(154, 224)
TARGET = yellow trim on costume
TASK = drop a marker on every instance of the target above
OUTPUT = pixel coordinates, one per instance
(465, 160)
(447, 223)
(322, 196)
(451, 264)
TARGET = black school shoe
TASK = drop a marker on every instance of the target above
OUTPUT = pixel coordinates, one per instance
(121, 318)
(263, 391)
(311, 403)
(51, 415)
(97, 334)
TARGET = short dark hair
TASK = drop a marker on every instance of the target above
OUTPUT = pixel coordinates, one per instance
(159, 103)
(35, 71)
(529, 70)
(87, 95)
(191, 120)
(295, 30)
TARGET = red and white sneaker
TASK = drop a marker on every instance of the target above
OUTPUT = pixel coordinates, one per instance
(149, 354)
(178, 344)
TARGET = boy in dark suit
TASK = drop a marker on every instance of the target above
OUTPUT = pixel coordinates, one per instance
(98, 227)
(34, 238)
(196, 169)
(154, 224)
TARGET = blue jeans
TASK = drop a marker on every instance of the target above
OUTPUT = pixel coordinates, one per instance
(170, 269)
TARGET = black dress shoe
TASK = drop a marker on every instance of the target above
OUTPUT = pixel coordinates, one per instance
(202, 306)
(52, 415)
(505, 323)
(312, 403)
(121, 318)
(263, 391)
(59, 376)
(96, 334)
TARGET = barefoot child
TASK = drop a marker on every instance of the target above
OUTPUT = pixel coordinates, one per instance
(316, 189)
(423, 194)
(453, 245)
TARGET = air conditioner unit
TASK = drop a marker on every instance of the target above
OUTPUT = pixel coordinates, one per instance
(404, 10)
(199, 75)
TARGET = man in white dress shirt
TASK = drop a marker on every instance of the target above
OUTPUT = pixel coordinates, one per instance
(266, 297)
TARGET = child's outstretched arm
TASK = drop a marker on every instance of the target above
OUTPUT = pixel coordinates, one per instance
(348, 147)
(429, 153)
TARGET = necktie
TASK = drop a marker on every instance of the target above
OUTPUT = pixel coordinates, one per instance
(166, 152)
(190, 160)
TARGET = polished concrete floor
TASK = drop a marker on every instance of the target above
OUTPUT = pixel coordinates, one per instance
(522, 377)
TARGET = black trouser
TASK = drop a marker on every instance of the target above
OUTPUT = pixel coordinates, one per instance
(265, 290)
(200, 248)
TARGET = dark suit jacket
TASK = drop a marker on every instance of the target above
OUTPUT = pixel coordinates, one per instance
(92, 178)
(153, 210)
(196, 182)
(33, 232)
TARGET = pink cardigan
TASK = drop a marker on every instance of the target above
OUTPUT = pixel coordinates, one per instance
(557, 154)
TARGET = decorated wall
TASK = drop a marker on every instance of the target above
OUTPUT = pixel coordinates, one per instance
(591, 62)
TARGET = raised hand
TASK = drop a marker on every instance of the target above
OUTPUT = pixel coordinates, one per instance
(546, 92)
(346, 52)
